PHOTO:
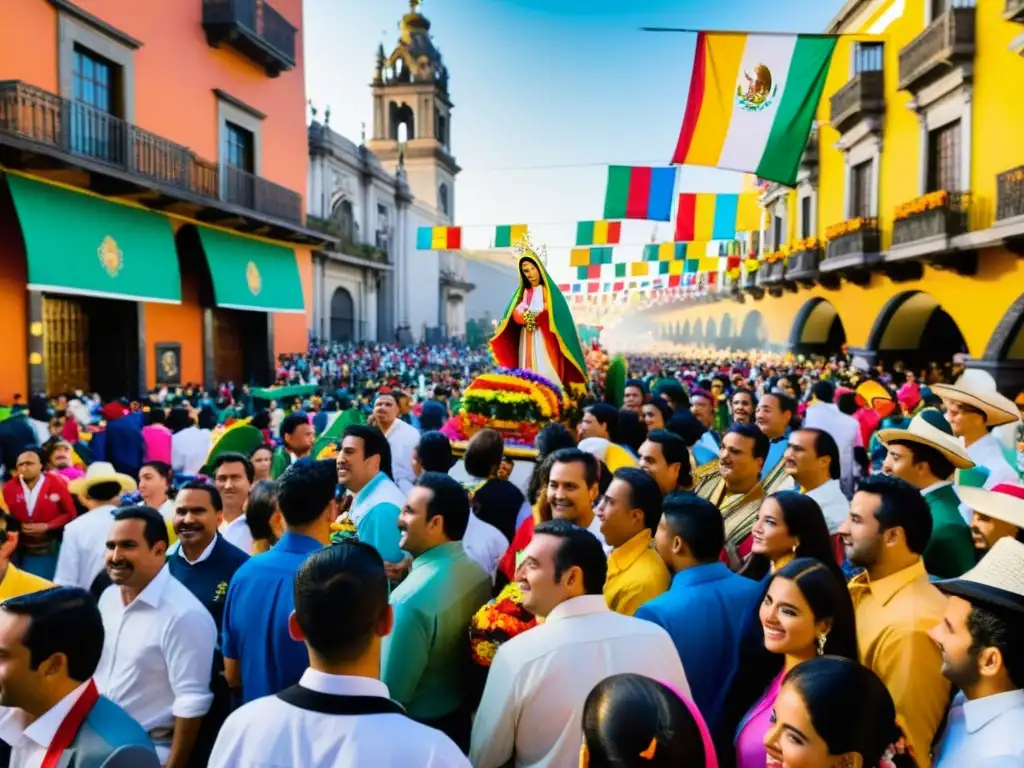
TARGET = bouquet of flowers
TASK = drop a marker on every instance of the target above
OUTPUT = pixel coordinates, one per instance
(498, 622)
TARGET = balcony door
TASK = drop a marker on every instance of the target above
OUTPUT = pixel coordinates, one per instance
(240, 165)
(96, 131)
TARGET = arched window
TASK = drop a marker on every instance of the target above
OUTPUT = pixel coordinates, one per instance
(344, 217)
(342, 316)
(442, 129)
(402, 116)
(442, 199)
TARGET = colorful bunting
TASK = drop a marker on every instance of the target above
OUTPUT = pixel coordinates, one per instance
(584, 257)
(704, 216)
(598, 232)
(592, 272)
(439, 238)
(639, 193)
(509, 235)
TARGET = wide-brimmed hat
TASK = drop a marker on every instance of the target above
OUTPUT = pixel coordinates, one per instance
(930, 428)
(1004, 501)
(101, 472)
(978, 390)
(998, 580)
(240, 438)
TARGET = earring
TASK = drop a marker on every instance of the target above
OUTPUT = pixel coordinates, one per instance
(821, 643)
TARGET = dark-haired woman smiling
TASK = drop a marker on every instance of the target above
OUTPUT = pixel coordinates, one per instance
(789, 525)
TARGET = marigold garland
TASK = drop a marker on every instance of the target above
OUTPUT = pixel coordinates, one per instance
(849, 226)
(806, 244)
(923, 203)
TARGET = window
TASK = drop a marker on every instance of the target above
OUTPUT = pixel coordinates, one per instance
(778, 232)
(805, 217)
(442, 129)
(96, 103)
(442, 198)
(944, 158)
(938, 7)
(867, 57)
(860, 190)
(383, 226)
(239, 150)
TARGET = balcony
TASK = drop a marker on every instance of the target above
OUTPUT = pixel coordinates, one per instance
(254, 29)
(1010, 194)
(924, 228)
(44, 133)
(860, 100)
(854, 248)
(803, 264)
(771, 274)
(1014, 11)
(346, 247)
(946, 44)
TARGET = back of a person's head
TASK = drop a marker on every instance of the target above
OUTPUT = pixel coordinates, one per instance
(849, 707)
(824, 391)
(579, 548)
(631, 430)
(673, 392)
(697, 522)
(484, 452)
(305, 489)
(262, 505)
(341, 595)
(902, 506)
(686, 425)
(374, 444)
(107, 491)
(632, 721)
(553, 437)
(435, 452)
(62, 620)
(432, 416)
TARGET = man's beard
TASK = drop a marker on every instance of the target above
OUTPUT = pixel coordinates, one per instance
(965, 674)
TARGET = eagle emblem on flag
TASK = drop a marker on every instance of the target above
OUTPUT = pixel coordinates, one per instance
(755, 92)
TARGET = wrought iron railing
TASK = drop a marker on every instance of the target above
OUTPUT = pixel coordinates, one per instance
(803, 264)
(865, 240)
(949, 36)
(943, 213)
(771, 273)
(1010, 193)
(259, 18)
(863, 95)
(79, 130)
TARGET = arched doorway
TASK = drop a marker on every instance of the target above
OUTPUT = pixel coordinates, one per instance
(725, 331)
(753, 332)
(817, 329)
(686, 331)
(711, 332)
(342, 316)
(698, 331)
(914, 329)
(1004, 353)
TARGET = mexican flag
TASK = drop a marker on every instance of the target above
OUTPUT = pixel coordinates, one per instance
(752, 102)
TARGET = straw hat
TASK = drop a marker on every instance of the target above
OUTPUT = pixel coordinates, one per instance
(101, 472)
(930, 428)
(1004, 501)
(998, 580)
(978, 390)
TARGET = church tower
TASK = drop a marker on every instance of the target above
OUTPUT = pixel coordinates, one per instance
(412, 114)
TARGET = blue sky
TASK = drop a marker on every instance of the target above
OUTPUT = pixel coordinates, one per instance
(547, 93)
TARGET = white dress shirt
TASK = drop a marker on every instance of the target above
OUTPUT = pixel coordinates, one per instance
(833, 502)
(82, 555)
(402, 438)
(532, 705)
(484, 544)
(30, 740)
(983, 733)
(270, 733)
(845, 430)
(189, 449)
(157, 656)
(238, 532)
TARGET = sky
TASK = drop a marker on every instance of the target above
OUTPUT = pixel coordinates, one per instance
(547, 94)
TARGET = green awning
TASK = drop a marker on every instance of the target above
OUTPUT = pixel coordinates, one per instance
(252, 274)
(81, 244)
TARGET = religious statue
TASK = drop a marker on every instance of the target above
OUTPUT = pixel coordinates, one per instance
(537, 331)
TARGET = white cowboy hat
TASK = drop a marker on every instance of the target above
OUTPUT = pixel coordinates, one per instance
(614, 456)
(1004, 501)
(101, 472)
(997, 580)
(978, 390)
(930, 428)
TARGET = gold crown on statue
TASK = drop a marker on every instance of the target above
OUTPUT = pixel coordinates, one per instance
(525, 248)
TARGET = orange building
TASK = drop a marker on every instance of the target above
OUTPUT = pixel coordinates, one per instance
(152, 173)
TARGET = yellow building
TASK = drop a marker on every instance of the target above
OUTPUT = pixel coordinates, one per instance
(913, 185)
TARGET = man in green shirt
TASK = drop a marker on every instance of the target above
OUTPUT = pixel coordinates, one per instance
(425, 656)
(926, 455)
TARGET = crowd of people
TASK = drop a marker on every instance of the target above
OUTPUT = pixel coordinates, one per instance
(751, 560)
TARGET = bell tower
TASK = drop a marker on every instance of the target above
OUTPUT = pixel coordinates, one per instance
(412, 114)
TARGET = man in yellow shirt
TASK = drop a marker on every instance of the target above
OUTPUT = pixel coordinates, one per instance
(629, 511)
(896, 606)
(15, 582)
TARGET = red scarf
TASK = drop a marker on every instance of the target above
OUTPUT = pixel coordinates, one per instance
(70, 724)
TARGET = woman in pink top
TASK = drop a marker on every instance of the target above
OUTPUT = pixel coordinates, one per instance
(806, 612)
(157, 436)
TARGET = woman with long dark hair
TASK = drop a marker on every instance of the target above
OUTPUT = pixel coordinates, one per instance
(789, 525)
(805, 611)
(833, 712)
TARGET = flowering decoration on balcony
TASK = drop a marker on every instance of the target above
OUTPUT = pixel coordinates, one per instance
(849, 226)
(782, 254)
(751, 265)
(806, 244)
(733, 274)
(927, 202)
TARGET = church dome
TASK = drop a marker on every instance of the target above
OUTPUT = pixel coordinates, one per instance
(415, 59)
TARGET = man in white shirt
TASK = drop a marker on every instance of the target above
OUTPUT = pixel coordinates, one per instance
(81, 558)
(233, 476)
(812, 460)
(533, 701)
(983, 655)
(339, 715)
(159, 639)
(403, 439)
(824, 414)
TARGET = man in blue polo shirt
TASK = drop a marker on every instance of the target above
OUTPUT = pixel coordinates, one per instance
(260, 656)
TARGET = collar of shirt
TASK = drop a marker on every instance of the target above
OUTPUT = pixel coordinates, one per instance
(369, 488)
(700, 574)
(226, 526)
(152, 592)
(584, 605)
(31, 494)
(624, 556)
(441, 552)
(885, 589)
(45, 727)
(935, 487)
(298, 544)
(204, 555)
(825, 489)
(980, 712)
(342, 685)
